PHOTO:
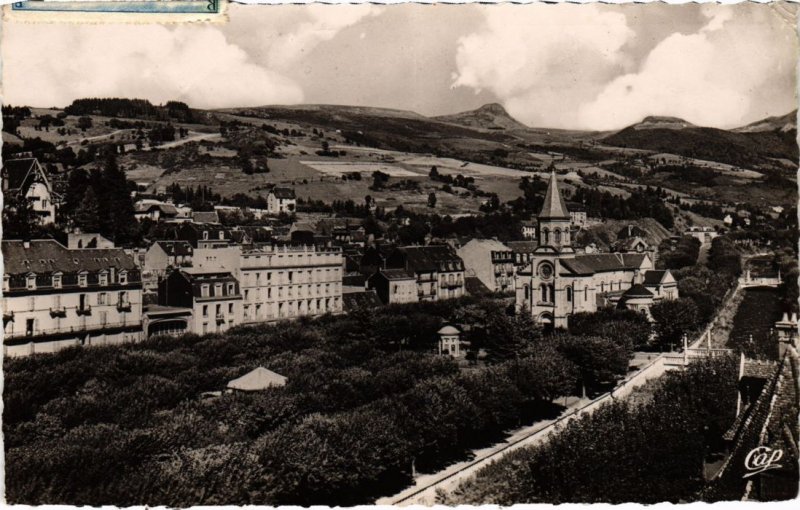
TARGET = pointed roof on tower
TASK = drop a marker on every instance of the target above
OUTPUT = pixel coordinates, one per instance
(554, 206)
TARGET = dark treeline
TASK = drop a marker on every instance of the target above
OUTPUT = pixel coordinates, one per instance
(130, 108)
(643, 203)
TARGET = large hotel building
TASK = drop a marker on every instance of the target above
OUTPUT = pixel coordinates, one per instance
(55, 297)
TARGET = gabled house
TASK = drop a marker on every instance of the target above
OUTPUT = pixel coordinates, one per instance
(281, 200)
(26, 178)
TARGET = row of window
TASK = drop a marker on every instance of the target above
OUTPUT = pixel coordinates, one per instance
(291, 277)
(291, 308)
(298, 291)
(57, 280)
(103, 298)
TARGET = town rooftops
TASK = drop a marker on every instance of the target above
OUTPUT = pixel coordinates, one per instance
(602, 262)
(654, 277)
(637, 291)
(205, 217)
(431, 258)
(554, 206)
(283, 193)
(175, 248)
(43, 256)
(522, 246)
(258, 379)
(362, 299)
(397, 274)
(166, 209)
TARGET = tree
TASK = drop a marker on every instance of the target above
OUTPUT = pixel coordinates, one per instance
(432, 199)
(87, 215)
(19, 220)
(84, 123)
(599, 360)
(116, 205)
(544, 376)
(673, 319)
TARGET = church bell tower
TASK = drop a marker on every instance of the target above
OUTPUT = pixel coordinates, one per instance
(554, 221)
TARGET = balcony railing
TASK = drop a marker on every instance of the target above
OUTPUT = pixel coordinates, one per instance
(124, 306)
(71, 329)
(86, 310)
(58, 311)
(220, 318)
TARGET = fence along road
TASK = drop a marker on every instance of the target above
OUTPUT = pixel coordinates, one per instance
(425, 488)
(424, 491)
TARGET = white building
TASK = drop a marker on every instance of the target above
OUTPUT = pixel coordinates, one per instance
(281, 200)
(280, 282)
(54, 297)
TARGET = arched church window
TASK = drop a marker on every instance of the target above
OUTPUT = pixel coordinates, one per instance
(546, 235)
(543, 291)
(569, 294)
(586, 293)
(557, 236)
(527, 292)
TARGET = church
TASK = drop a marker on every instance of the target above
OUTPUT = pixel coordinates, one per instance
(560, 282)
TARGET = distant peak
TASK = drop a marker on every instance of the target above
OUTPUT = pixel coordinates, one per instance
(661, 118)
(662, 122)
(494, 108)
(488, 116)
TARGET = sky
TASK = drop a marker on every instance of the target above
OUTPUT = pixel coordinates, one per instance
(592, 66)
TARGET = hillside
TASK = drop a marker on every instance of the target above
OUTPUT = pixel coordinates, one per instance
(786, 122)
(603, 235)
(734, 148)
(489, 116)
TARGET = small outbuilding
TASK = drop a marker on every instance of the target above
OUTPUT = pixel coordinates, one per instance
(450, 341)
(258, 379)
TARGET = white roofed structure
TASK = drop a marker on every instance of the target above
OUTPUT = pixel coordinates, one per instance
(258, 379)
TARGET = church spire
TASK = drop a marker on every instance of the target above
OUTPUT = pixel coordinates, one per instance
(554, 206)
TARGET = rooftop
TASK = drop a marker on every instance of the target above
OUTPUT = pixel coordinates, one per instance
(48, 256)
(554, 206)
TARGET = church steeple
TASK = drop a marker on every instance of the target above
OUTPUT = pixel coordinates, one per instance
(554, 220)
(554, 206)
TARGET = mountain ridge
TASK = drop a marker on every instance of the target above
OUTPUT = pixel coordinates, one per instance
(489, 116)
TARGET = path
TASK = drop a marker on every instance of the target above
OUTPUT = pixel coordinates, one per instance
(425, 487)
(196, 137)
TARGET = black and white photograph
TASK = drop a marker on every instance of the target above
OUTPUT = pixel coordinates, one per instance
(408, 254)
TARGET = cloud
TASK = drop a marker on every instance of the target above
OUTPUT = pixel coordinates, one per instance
(542, 59)
(711, 78)
(322, 24)
(53, 65)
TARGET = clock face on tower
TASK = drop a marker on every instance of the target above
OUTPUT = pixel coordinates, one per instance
(546, 271)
